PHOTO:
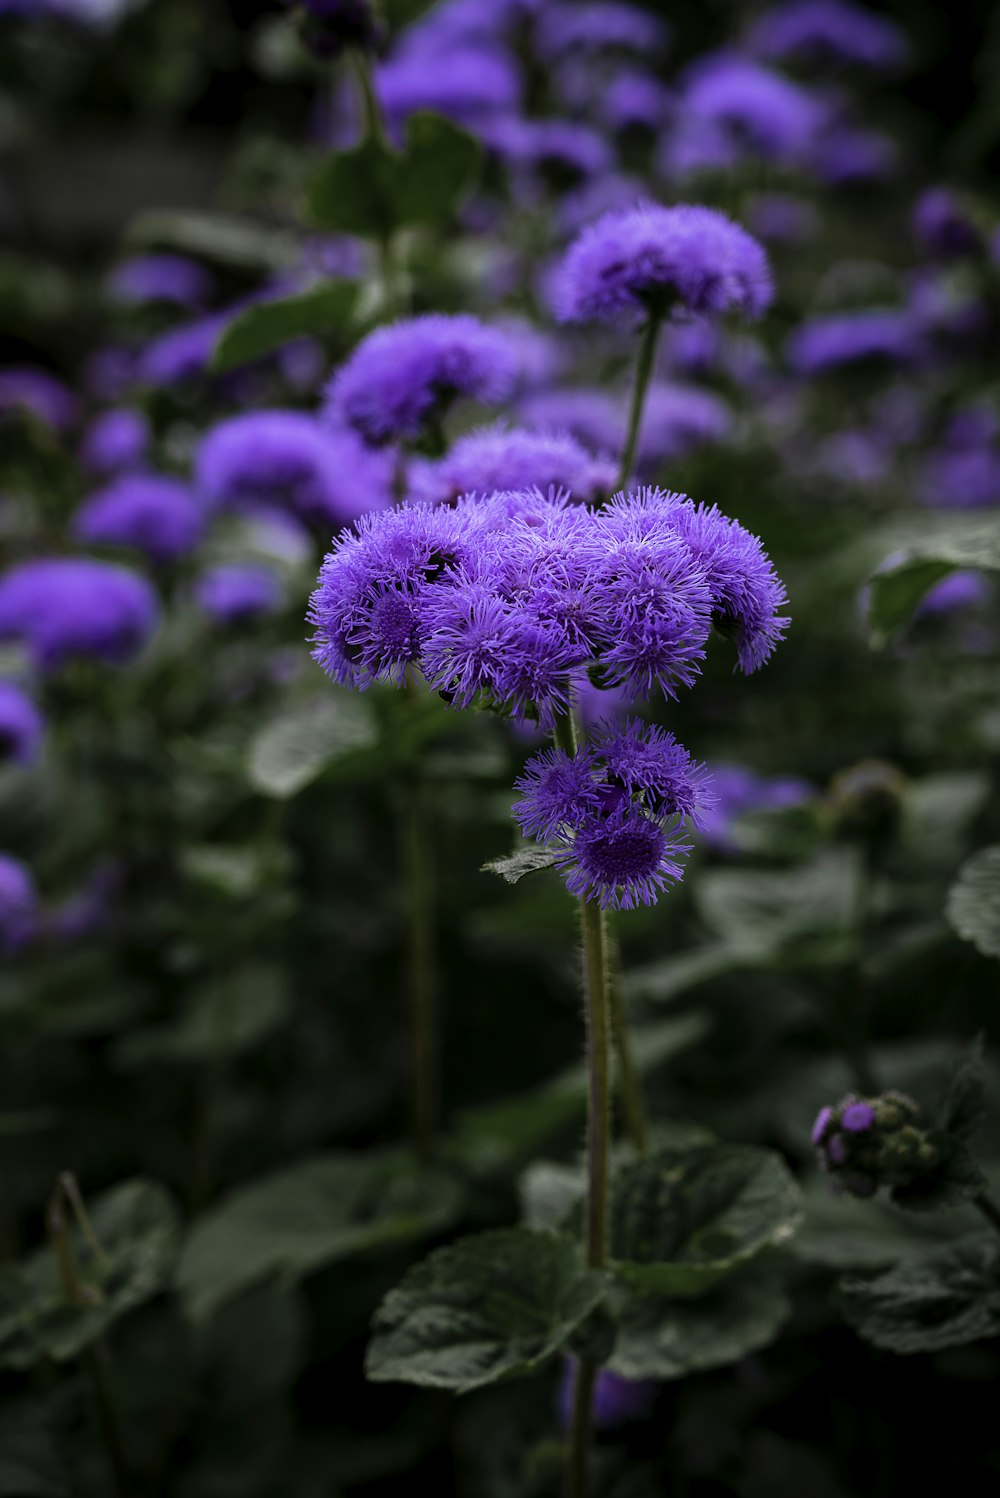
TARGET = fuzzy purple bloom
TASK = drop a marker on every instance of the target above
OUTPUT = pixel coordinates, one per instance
(155, 515)
(636, 101)
(181, 355)
(160, 278)
(739, 790)
(36, 393)
(875, 335)
(63, 607)
(960, 590)
(960, 478)
(846, 156)
(857, 1118)
(943, 225)
(732, 107)
(563, 150)
(467, 83)
(652, 259)
(21, 726)
(235, 591)
(290, 461)
(830, 31)
(18, 905)
(618, 1401)
(500, 457)
(403, 376)
(821, 1125)
(596, 28)
(116, 441)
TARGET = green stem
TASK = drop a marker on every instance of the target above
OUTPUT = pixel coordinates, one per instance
(421, 981)
(989, 1209)
(584, 1380)
(94, 1359)
(643, 370)
(630, 1090)
(375, 130)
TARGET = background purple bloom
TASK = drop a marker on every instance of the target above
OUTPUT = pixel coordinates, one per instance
(234, 591)
(830, 31)
(35, 392)
(63, 607)
(153, 514)
(18, 904)
(21, 725)
(116, 441)
(160, 278)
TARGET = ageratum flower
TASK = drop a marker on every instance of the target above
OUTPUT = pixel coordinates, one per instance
(289, 460)
(613, 812)
(402, 377)
(160, 278)
(596, 28)
(115, 441)
(830, 31)
(467, 83)
(731, 108)
(34, 392)
(21, 726)
(561, 151)
(865, 1143)
(18, 904)
(617, 1401)
(943, 225)
(236, 591)
(145, 511)
(739, 790)
(63, 607)
(651, 259)
(636, 101)
(181, 355)
(499, 457)
(676, 419)
(960, 590)
(874, 336)
(846, 156)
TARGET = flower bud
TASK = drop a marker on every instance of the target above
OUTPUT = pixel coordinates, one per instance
(865, 1143)
(866, 802)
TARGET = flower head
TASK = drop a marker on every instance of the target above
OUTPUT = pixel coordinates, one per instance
(873, 336)
(181, 355)
(596, 28)
(469, 82)
(403, 377)
(18, 904)
(146, 511)
(943, 225)
(115, 441)
(652, 259)
(234, 591)
(76, 606)
(503, 458)
(160, 278)
(21, 725)
(830, 31)
(733, 107)
(25, 390)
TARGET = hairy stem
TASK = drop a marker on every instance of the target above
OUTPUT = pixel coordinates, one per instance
(643, 370)
(630, 1093)
(584, 1379)
(94, 1359)
(421, 996)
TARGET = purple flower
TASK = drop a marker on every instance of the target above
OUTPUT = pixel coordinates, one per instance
(652, 259)
(819, 1128)
(18, 904)
(844, 156)
(732, 107)
(780, 218)
(21, 726)
(88, 910)
(235, 591)
(857, 1118)
(830, 31)
(596, 28)
(500, 457)
(739, 790)
(636, 101)
(876, 336)
(76, 606)
(160, 278)
(153, 514)
(289, 460)
(467, 83)
(960, 478)
(562, 150)
(36, 393)
(943, 225)
(960, 590)
(618, 1401)
(115, 441)
(402, 377)
(181, 355)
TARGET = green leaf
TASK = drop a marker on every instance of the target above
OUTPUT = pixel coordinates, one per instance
(296, 748)
(945, 1300)
(374, 190)
(522, 861)
(497, 1133)
(665, 980)
(680, 1220)
(496, 1305)
(219, 1019)
(236, 870)
(795, 917)
(974, 902)
(316, 1213)
(841, 1232)
(227, 239)
(137, 1227)
(266, 326)
(662, 1337)
(903, 582)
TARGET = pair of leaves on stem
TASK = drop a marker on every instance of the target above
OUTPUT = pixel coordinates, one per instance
(679, 1287)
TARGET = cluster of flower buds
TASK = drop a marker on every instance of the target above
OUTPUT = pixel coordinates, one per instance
(866, 802)
(865, 1143)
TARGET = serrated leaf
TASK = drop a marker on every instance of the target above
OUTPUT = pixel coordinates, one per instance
(221, 1018)
(680, 1220)
(899, 586)
(945, 1300)
(495, 1305)
(974, 901)
(296, 748)
(794, 917)
(373, 190)
(522, 861)
(137, 1226)
(963, 1111)
(295, 1221)
(662, 1337)
(266, 326)
(842, 1232)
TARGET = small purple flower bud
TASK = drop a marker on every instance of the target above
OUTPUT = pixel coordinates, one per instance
(857, 1118)
(821, 1125)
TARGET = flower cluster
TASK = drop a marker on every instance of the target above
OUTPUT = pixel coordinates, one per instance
(613, 811)
(147, 512)
(867, 1143)
(514, 599)
(62, 607)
